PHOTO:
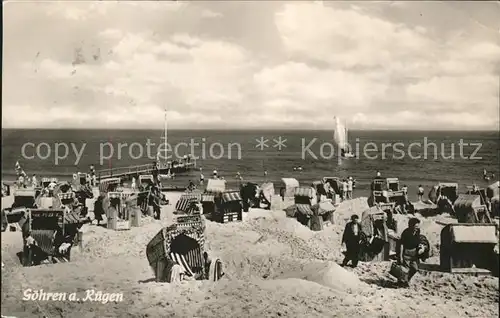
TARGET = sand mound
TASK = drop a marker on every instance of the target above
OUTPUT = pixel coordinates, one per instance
(330, 275)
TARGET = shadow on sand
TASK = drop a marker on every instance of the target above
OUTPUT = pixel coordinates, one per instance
(145, 281)
(430, 267)
(20, 256)
(382, 282)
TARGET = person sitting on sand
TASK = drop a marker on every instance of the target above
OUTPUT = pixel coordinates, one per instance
(411, 250)
(351, 238)
(52, 185)
(420, 192)
(191, 186)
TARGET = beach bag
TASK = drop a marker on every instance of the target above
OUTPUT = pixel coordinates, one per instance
(399, 272)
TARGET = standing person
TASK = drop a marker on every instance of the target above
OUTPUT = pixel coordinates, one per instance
(238, 179)
(93, 178)
(34, 181)
(349, 188)
(405, 189)
(411, 249)
(155, 202)
(405, 193)
(20, 181)
(155, 172)
(420, 192)
(98, 209)
(344, 189)
(159, 182)
(351, 238)
(215, 174)
(202, 178)
(134, 184)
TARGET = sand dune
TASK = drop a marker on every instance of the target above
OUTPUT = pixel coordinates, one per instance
(275, 268)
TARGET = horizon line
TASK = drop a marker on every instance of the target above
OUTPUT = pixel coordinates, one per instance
(251, 129)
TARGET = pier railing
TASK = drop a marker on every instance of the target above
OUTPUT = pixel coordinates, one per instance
(142, 169)
(125, 171)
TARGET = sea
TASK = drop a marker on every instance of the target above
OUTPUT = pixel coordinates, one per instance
(415, 157)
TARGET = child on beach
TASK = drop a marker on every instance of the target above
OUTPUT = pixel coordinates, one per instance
(420, 192)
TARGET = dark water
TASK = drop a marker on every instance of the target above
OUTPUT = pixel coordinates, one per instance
(432, 166)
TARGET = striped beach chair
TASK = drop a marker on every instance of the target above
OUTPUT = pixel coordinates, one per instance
(67, 198)
(106, 184)
(187, 203)
(180, 260)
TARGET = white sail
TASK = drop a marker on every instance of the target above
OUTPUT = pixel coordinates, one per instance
(340, 134)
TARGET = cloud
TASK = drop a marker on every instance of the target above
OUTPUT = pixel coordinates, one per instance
(210, 14)
(117, 65)
(450, 120)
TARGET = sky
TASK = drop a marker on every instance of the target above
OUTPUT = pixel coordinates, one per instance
(377, 65)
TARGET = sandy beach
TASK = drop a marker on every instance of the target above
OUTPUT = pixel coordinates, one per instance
(274, 267)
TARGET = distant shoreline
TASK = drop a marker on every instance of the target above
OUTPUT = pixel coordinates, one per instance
(273, 129)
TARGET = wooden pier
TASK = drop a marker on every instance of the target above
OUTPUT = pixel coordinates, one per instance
(131, 171)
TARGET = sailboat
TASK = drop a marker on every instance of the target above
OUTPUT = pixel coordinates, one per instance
(340, 137)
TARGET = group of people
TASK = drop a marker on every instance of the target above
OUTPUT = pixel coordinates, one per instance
(413, 247)
(23, 181)
(347, 188)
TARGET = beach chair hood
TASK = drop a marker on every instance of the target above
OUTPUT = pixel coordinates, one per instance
(267, 189)
(215, 186)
